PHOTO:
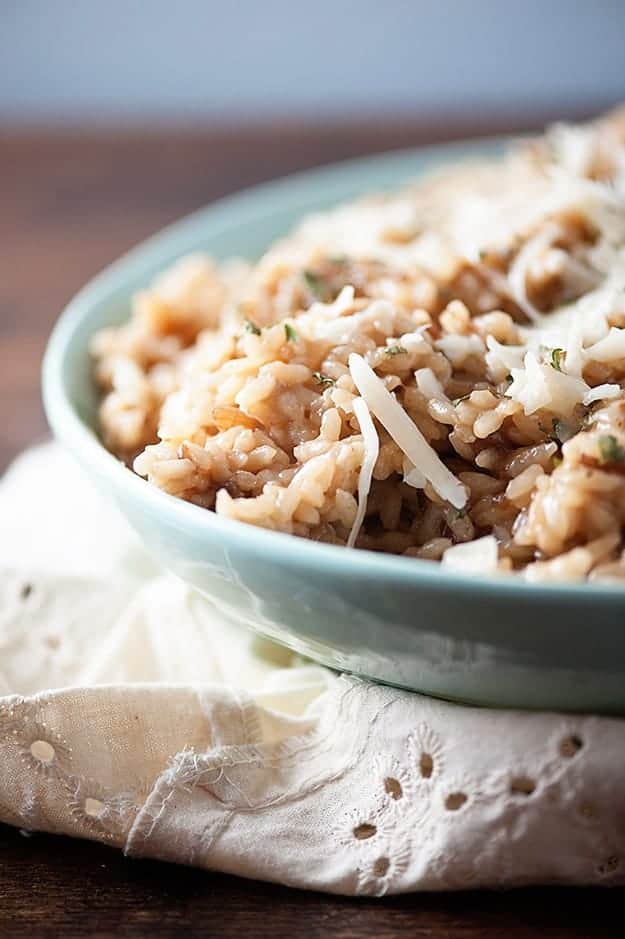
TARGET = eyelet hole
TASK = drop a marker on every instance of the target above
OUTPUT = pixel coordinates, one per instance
(570, 746)
(455, 801)
(522, 786)
(26, 591)
(94, 807)
(426, 765)
(364, 830)
(381, 866)
(42, 751)
(393, 788)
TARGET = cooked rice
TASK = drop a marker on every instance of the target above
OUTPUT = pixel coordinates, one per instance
(478, 317)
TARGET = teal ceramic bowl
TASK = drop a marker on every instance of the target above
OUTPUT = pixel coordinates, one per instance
(402, 621)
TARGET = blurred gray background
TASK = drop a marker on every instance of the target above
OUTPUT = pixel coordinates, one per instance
(102, 60)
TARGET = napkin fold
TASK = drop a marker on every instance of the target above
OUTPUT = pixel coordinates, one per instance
(133, 713)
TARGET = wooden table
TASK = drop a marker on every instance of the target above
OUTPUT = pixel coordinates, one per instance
(69, 204)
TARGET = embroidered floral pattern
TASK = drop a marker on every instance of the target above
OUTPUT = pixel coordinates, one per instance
(425, 755)
(384, 869)
(102, 814)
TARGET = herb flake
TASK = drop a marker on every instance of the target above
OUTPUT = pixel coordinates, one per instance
(610, 450)
(290, 333)
(557, 358)
(251, 327)
(395, 350)
(324, 380)
(315, 284)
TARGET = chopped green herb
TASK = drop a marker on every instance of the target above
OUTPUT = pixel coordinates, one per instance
(610, 450)
(324, 380)
(395, 350)
(290, 333)
(556, 460)
(557, 358)
(315, 284)
(251, 327)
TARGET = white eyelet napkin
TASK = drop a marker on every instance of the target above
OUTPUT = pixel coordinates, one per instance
(132, 713)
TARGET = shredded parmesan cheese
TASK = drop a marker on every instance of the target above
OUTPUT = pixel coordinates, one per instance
(474, 557)
(405, 433)
(502, 359)
(429, 385)
(609, 348)
(538, 385)
(602, 393)
(412, 476)
(517, 275)
(372, 448)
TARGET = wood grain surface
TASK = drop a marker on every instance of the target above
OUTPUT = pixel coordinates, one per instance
(69, 204)
(60, 888)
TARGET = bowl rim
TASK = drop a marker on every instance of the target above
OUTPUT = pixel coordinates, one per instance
(82, 441)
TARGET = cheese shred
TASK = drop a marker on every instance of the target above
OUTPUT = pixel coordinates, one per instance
(405, 433)
(372, 448)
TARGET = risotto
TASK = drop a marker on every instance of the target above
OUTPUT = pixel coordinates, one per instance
(438, 372)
